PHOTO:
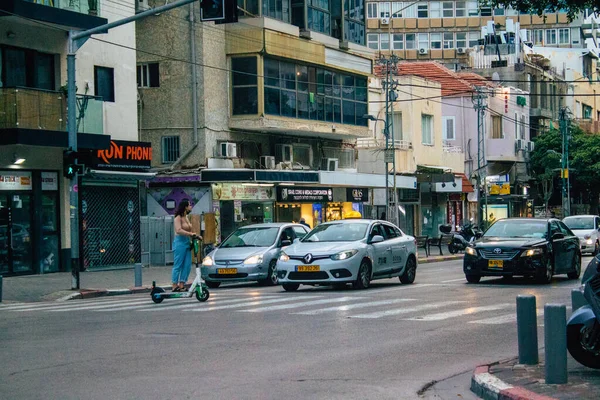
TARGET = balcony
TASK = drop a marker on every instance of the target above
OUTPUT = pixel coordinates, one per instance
(588, 125)
(34, 109)
(76, 14)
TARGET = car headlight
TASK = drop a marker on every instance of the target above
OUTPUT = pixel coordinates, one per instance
(284, 257)
(471, 251)
(532, 252)
(343, 255)
(589, 241)
(207, 262)
(257, 259)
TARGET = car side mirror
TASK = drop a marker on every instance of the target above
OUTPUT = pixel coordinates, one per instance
(286, 243)
(557, 236)
(376, 239)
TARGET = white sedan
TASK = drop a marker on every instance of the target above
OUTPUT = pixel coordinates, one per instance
(353, 251)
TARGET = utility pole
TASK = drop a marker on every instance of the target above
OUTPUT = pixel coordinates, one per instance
(564, 169)
(76, 40)
(389, 86)
(480, 105)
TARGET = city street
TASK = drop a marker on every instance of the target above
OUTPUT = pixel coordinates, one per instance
(390, 341)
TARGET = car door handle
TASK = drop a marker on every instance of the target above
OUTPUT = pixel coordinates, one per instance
(388, 249)
(403, 246)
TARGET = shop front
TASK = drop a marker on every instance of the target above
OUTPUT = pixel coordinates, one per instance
(29, 222)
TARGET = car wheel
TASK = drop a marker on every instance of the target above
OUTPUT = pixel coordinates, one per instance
(574, 339)
(271, 279)
(290, 287)
(577, 263)
(452, 248)
(364, 276)
(212, 284)
(410, 271)
(473, 278)
(544, 275)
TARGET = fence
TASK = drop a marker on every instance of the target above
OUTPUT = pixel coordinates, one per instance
(156, 236)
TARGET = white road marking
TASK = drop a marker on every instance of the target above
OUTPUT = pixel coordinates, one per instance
(250, 304)
(302, 304)
(353, 306)
(210, 302)
(459, 313)
(455, 280)
(406, 310)
(92, 307)
(78, 305)
(69, 303)
(402, 287)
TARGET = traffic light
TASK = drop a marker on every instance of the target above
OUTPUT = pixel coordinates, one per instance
(212, 10)
(70, 166)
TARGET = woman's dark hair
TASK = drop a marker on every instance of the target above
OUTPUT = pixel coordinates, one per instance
(183, 204)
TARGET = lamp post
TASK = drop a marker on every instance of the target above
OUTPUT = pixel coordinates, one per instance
(386, 134)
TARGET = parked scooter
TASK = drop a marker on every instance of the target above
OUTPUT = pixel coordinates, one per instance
(467, 233)
(583, 328)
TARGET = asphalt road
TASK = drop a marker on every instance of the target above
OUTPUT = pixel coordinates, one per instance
(391, 341)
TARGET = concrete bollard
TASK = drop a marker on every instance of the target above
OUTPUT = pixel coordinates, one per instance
(527, 330)
(138, 274)
(577, 299)
(555, 337)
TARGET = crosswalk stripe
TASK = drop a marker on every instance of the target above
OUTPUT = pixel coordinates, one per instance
(77, 305)
(190, 304)
(69, 303)
(459, 313)
(406, 310)
(301, 304)
(504, 319)
(455, 280)
(250, 304)
(93, 307)
(348, 307)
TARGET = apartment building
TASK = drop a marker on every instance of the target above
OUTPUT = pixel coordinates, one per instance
(34, 196)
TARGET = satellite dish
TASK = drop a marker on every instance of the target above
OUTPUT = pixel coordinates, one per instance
(495, 77)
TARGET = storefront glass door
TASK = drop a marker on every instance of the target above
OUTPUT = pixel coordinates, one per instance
(15, 233)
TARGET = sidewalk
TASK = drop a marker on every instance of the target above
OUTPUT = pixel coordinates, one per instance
(510, 380)
(57, 286)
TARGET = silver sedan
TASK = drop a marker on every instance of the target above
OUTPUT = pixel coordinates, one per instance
(349, 251)
(250, 254)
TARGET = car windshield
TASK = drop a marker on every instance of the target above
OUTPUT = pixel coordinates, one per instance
(518, 228)
(575, 223)
(251, 237)
(337, 232)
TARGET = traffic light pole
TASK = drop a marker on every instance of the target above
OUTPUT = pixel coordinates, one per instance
(76, 40)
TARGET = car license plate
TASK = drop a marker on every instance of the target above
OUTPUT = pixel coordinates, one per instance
(495, 264)
(227, 271)
(308, 268)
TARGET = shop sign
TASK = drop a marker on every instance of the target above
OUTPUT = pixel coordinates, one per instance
(357, 195)
(231, 191)
(49, 181)
(15, 180)
(123, 155)
(304, 194)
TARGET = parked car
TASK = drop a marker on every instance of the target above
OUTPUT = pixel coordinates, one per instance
(529, 247)
(586, 227)
(250, 254)
(348, 251)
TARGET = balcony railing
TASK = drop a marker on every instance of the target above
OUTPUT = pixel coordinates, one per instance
(370, 143)
(80, 6)
(26, 108)
(448, 148)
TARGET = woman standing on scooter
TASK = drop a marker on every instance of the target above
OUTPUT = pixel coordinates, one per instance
(182, 257)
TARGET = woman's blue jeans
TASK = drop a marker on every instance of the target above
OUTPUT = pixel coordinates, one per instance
(182, 259)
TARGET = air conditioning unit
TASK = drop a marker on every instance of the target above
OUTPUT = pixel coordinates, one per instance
(228, 149)
(530, 146)
(284, 153)
(141, 5)
(461, 50)
(519, 144)
(267, 162)
(329, 164)
(422, 51)
(385, 21)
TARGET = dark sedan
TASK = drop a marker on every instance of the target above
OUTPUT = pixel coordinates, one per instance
(528, 247)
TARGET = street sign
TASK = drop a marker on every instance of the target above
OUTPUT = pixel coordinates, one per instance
(389, 155)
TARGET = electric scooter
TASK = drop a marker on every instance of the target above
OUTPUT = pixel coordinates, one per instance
(198, 287)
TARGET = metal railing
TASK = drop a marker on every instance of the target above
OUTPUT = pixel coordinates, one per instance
(448, 148)
(371, 143)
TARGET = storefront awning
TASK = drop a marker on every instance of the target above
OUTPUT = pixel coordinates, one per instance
(467, 186)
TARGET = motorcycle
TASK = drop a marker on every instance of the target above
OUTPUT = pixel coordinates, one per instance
(583, 328)
(467, 233)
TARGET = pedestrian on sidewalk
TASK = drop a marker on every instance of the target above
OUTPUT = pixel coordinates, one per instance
(182, 256)
(303, 222)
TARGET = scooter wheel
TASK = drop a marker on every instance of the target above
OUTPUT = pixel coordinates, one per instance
(155, 294)
(203, 295)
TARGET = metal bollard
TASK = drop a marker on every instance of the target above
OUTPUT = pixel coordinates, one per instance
(138, 274)
(577, 299)
(555, 337)
(0, 288)
(527, 330)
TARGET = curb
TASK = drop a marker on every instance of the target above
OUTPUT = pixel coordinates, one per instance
(489, 387)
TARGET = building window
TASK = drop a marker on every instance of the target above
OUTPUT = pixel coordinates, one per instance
(423, 41)
(485, 11)
(587, 111)
(436, 40)
(410, 41)
(384, 10)
(398, 39)
(104, 83)
(575, 36)
(410, 11)
(538, 36)
(26, 68)
(147, 75)
(422, 10)
(461, 9)
(461, 39)
(563, 36)
(448, 40)
(396, 9)
(522, 126)
(278, 9)
(245, 87)
(170, 149)
(474, 38)
(397, 118)
(550, 36)
(319, 19)
(384, 40)
(448, 8)
(373, 41)
(499, 12)
(354, 26)
(435, 9)
(473, 8)
(372, 10)
(427, 129)
(497, 127)
(448, 126)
